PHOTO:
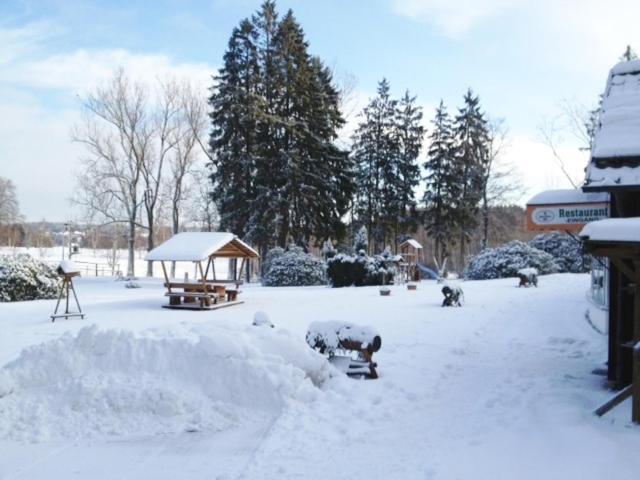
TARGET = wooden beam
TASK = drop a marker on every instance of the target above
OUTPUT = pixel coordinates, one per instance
(635, 402)
(239, 279)
(166, 277)
(627, 271)
(621, 396)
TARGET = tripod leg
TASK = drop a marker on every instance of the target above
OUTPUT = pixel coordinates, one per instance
(58, 303)
(67, 306)
(76, 297)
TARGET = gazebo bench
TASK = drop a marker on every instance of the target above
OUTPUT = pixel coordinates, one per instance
(190, 297)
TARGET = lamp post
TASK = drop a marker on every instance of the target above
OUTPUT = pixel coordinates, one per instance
(66, 229)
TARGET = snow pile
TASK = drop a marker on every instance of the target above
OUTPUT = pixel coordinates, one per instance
(294, 267)
(102, 383)
(328, 335)
(566, 250)
(506, 260)
(261, 319)
(528, 272)
(24, 278)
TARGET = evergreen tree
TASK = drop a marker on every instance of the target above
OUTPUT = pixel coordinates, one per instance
(386, 145)
(629, 54)
(361, 240)
(472, 140)
(442, 186)
(295, 184)
(374, 148)
(410, 134)
(233, 142)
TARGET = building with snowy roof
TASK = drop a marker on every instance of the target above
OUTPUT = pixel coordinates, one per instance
(614, 168)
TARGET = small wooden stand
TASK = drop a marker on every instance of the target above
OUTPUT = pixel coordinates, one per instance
(67, 284)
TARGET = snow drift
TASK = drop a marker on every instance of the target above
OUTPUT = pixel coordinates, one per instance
(102, 383)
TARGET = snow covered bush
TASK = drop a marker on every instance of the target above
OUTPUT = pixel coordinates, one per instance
(359, 270)
(294, 268)
(566, 251)
(270, 257)
(24, 278)
(506, 260)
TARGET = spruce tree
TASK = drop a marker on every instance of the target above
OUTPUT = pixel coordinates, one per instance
(300, 182)
(629, 54)
(233, 140)
(442, 186)
(386, 146)
(374, 148)
(472, 140)
(410, 134)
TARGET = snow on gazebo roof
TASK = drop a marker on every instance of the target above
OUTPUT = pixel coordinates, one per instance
(615, 158)
(197, 246)
(613, 230)
(412, 242)
(567, 196)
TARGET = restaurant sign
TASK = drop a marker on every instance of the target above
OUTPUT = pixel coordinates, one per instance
(548, 212)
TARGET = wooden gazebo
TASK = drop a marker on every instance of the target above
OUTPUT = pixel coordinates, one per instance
(618, 239)
(202, 248)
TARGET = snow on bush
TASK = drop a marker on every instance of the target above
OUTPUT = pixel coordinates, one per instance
(566, 250)
(105, 383)
(271, 255)
(506, 260)
(294, 268)
(24, 278)
(345, 270)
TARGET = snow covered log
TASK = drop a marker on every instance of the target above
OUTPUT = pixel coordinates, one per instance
(453, 296)
(331, 337)
(528, 277)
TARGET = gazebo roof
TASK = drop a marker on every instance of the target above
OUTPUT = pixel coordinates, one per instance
(198, 246)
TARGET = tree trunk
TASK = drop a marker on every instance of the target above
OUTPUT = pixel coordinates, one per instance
(131, 248)
(485, 220)
(175, 229)
(150, 245)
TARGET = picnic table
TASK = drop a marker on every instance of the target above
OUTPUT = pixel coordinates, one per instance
(201, 295)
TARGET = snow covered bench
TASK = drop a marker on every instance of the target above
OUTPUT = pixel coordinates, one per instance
(334, 337)
(528, 277)
(453, 296)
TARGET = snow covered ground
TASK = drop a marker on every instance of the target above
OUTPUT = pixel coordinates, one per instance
(498, 389)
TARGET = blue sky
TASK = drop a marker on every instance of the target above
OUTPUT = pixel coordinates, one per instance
(522, 57)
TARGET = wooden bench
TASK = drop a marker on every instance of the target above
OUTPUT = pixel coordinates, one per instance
(330, 338)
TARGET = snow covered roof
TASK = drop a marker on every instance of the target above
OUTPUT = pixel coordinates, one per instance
(67, 266)
(613, 230)
(197, 246)
(413, 243)
(567, 196)
(615, 157)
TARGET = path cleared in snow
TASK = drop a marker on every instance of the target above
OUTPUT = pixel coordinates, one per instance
(500, 388)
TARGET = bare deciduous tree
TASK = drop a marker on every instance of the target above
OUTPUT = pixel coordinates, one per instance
(9, 210)
(116, 131)
(189, 147)
(501, 181)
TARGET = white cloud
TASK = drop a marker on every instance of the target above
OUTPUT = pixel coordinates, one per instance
(84, 69)
(454, 18)
(20, 41)
(37, 152)
(538, 168)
